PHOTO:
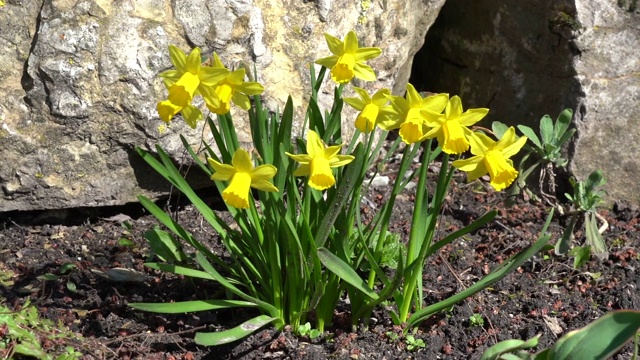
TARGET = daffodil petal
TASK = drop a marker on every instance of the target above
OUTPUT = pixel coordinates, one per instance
(211, 76)
(236, 77)
(379, 98)
(328, 62)
(335, 45)
(264, 172)
(301, 158)
(480, 143)
(241, 100)
(367, 53)
(351, 42)
(473, 165)
(435, 103)
(472, 116)
(263, 185)
(217, 63)
(251, 88)
(315, 146)
(191, 115)
(364, 95)
(513, 148)
(453, 108)
(332, 151)
(223, 172)
(412, 96)
(194, 61)
(364, 72)
(340, 160)
(178, 58)
(242, 161)
(355, 103)
(302, 170)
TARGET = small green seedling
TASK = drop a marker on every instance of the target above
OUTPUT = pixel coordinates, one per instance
(413, 343)
(306, 330)
(24, 332)
(65, 270)
(585, 200)
(476, 320)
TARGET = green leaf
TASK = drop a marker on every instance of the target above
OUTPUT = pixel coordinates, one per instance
(528, 132)
(594, 238)
(344, 271)
(165, 246)
(499, 129)
(497, 274)
(507, 346)
(562, 124)
(66, 267)
(600, 339)
(581, 255)
(564, 244)
(180, 270)
(190, 306)
(231, 335)
(546, 130)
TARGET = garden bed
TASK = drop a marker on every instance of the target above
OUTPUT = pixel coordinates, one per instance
(544, 296)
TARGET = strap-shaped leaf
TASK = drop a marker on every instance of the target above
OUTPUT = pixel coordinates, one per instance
(497, 274)
(239, 332)
(190, 306)
(598, 340)
(344, 271)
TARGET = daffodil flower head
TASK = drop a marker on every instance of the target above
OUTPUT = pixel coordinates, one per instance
(491, 157)
(231, 88)
(348, 60)
(452, 129)
(242, 176)
(167, 110)
(373, 109)
(318, 161)
(184, 82)
(410, 113)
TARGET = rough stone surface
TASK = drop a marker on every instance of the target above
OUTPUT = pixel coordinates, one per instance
(79, 80)
(525, 59)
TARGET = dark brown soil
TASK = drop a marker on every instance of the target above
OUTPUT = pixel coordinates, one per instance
(544, 296)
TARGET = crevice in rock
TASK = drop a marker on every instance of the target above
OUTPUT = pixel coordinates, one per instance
(27, 81)
(515, 58)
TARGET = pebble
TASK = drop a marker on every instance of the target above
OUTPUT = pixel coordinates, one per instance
(380, 181)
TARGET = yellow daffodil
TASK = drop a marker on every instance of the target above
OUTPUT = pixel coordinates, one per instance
(411, 112)
(243, 176)
(348, 59)
(167, 110)
(231, 88)
(187, 80)
(451, 129)
(318, 161)
(492, 158)
(373, 109)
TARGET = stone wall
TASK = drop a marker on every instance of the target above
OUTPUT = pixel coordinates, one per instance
(79, 80)
(525, 59)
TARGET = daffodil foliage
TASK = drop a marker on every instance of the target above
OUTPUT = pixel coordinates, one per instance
(298, 243)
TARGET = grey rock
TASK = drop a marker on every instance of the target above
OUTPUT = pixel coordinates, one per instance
(525, 59)
(79, 82)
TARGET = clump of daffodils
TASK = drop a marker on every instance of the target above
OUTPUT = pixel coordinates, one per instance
(216, 84)
(295, 202)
